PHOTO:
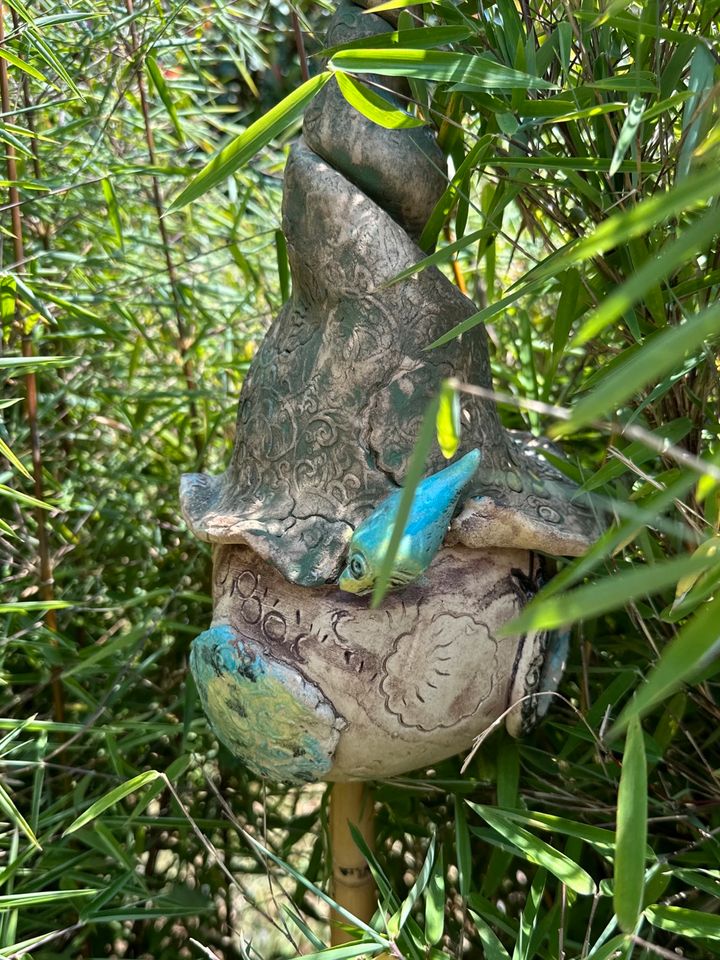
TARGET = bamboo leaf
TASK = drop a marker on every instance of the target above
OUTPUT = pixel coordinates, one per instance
(492, 945)
(633, 120)
(33, 606)
(18, 901)
(11, 811)
(6, 452)
(538, 851)
(607, 594)
(113, 209)
(655, 269)
(435, 903)
(702, 72)
(686, 923)
(111, 798)
(631, 831)
(599, 838)
(258, 135)
(621, 227)
(27, 364)
(463, 851)
(418, 887)
(694, 646)
(710, 548)
(396, 5)
(29, 501)
(607, 950)
(566, 311)
(474, 72)
(25, 67)
(660, 354)
(156, 75)
(418, 38)
(373, 106)
(346, 951)
(283, 265)
(470, 164)
(447, 423)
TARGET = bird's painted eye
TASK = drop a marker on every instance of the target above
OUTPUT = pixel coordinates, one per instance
(357, 565)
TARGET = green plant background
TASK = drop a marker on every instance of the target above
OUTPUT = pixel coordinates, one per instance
(582, 214)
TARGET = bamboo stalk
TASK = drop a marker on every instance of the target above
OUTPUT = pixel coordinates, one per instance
(353, 887)
(46, 587)
(183, 335)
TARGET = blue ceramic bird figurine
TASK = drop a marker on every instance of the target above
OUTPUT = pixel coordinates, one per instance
(435, 501)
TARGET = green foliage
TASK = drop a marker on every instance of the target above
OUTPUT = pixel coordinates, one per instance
(582, 215)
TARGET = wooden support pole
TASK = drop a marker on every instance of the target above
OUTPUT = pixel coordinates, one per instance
(353, 886)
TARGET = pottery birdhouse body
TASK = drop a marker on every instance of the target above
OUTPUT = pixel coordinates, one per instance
(302, 679)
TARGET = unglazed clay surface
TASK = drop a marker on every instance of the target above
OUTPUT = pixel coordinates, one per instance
(299, 679)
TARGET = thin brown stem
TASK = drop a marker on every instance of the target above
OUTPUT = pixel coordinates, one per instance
(300, 45)
(46, 587)
(183, 336)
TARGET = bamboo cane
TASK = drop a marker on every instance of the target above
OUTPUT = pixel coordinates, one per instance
(353, 887)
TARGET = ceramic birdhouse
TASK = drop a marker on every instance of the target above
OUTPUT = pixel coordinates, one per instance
(298, 675)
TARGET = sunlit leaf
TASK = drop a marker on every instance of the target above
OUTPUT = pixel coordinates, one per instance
(695, 924)
(537, 850)
(258, 135)
(373, 106)
(661, 354)
(476, 72)
(631, 830)
(606, 594)
(111, 798)
(693, 647)
(447, 422)
(635, 111)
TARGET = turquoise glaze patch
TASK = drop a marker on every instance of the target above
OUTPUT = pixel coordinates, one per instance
(265, 712)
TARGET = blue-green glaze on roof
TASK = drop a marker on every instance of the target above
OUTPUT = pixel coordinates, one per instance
(265, 712)
(433, 506)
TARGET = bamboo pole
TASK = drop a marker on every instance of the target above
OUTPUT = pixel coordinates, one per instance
(184, 339)
(353, 887)
(46, 590)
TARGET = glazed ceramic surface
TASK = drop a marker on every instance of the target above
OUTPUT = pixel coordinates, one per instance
(303, 680)
(313, 684)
